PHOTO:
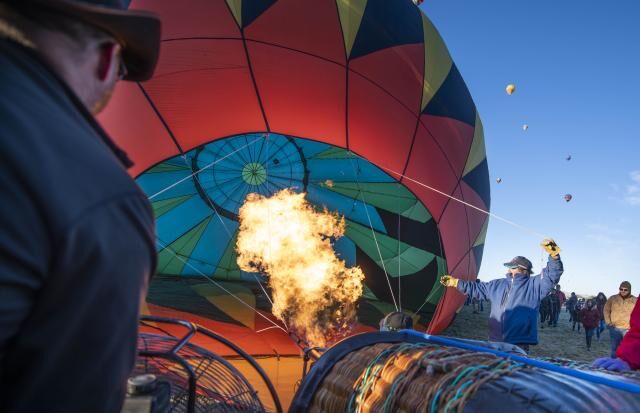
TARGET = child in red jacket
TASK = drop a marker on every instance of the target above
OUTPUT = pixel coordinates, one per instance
(628, 353)
(590, 317)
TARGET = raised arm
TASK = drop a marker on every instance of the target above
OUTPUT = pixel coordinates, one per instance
(550, 275)
(478, 290)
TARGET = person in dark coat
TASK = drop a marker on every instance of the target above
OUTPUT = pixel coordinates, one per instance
(590, 317)
(545, 309)
(77, 236)
(601, 300)
(575, 318)
(515, 299)
(555, 308)
(571, 303)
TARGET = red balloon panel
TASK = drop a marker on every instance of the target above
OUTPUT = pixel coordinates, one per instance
(146, 140)
(204, 91)
(380, 129)
(455, 232)
(302, 95)
(308, 25)
(398, 70)
(453, 136)
(476, 218)
(195, 18)
(450, 302)
(428, 165)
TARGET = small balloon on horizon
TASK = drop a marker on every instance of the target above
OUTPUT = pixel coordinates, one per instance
(510, 89)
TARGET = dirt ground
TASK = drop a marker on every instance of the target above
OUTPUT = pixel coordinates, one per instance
(558, 341)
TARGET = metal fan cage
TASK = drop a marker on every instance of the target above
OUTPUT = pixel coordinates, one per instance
(201, 381)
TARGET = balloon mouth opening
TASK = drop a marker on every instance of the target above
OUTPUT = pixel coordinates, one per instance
(197, 197)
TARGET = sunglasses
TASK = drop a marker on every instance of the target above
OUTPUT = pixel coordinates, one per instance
(624, 289)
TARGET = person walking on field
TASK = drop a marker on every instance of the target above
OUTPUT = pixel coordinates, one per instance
(516, 298)
(571, 302)
(554, 301)
(601, 300)
(617, 312)
(590, 317)
(627, 355)
(560, 298)
(77, 235)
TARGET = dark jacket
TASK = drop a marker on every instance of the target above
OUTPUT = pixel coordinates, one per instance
(76, 248)
(515, 302)
(589, 317)
(601, 300)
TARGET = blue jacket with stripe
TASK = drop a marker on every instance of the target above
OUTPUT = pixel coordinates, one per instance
(515, 302)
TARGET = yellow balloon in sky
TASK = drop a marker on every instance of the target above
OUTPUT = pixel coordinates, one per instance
(510, 88)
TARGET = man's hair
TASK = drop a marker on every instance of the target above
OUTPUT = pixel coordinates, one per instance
(32, 19)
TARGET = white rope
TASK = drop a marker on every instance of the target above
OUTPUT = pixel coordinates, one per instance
(461, 201)
(373, 232)
(426, 300)
(224, 225)
(173, 185)
(165, 246)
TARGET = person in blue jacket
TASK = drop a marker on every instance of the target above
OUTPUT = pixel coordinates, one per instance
(515, 299)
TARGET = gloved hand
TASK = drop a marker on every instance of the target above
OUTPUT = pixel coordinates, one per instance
(550, 247)
(449, 281)
(613, 364)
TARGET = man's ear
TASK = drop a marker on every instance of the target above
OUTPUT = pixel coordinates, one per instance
(108, 60)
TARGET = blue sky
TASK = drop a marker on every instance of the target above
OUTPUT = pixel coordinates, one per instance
(576, 66)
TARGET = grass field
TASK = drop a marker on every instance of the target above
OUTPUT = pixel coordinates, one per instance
(558, 341)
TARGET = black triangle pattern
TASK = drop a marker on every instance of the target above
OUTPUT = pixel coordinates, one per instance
(453, 100)
(387, 23)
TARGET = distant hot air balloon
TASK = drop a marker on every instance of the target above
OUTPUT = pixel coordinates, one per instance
(568, 157)
(510, 88)
(417, 2)
(499, 180)
(525, 127)
(335, 130)
(568, 197)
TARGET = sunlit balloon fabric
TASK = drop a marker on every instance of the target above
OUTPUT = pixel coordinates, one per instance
(357, 103)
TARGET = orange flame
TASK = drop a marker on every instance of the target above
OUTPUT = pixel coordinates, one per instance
(283, 236)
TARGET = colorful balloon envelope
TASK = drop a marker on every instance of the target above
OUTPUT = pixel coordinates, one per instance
(568, 197)
(357, 103)
(510, 89)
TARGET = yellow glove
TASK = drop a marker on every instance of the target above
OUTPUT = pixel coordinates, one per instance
(550, 247)
(449, 281)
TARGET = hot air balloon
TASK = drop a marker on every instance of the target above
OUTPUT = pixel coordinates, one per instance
(498, 180)
(568, 158)
(319, 97)
(525, 127)
(510, 89)
(568, 197)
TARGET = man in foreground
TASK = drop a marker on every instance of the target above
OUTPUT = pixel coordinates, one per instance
(628, 352)
(77, 242)
(516, 298)
(617, 312)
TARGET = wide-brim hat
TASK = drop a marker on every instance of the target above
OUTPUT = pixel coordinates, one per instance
(137, 31)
